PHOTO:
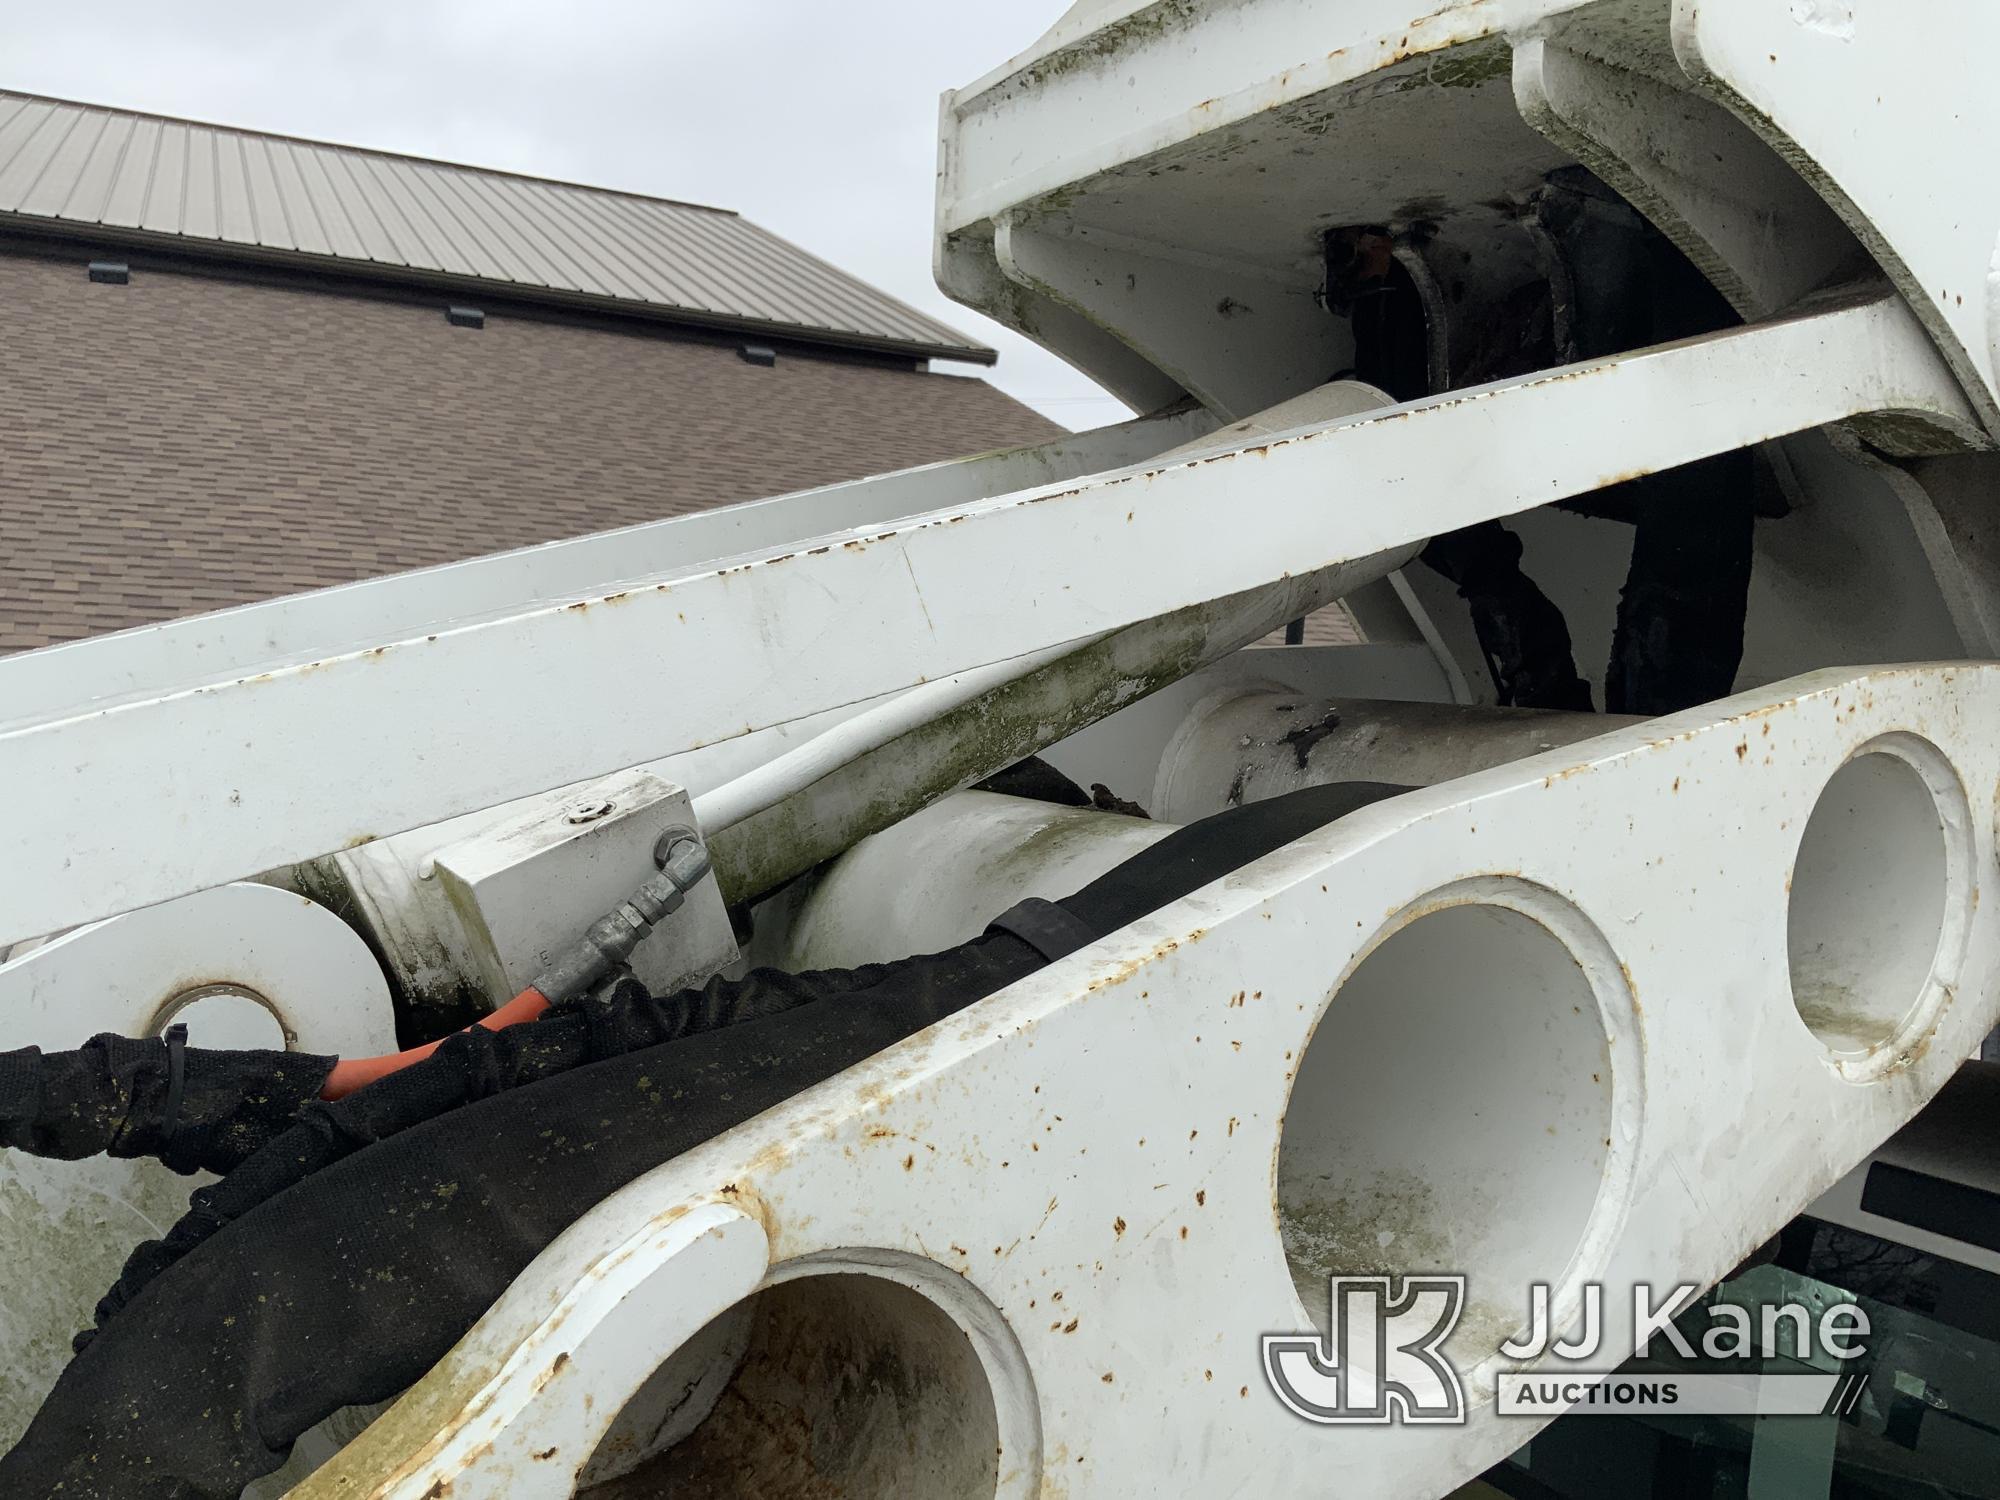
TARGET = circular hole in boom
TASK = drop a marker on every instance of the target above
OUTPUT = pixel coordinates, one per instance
(1868, 904)
(835, 1387)
(225, 1015)
(1451, 1115)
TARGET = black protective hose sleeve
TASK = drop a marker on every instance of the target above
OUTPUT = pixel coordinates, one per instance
(346, 1286)
(1189, 858)
(468, 1066)
(352, 1284)
(476, 1064)
(112, 1095)
(1681, 614)
(1521, 632)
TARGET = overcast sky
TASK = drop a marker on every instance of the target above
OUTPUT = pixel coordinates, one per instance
(817, 120)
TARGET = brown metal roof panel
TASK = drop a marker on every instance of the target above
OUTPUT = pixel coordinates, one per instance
(830, 281)
(464, 231)
(329, 207)
(35, 152)
(125, 198)
(538, 254)
(684, 278)
(406, 246)
(829, 287)
(15, 133)
(612, 271)
(674, 278)
(267, 204)
(458, 249)
(355, 210)
(820, 304)
(707, 241)
(302, 216)
(671, 280)
(577, 243)
(164, 195)
(595, 267)
(200, 214)
(863, 305)
(236, 215)
(722, 242)
(477, 220)
(84, 184)
(690, 256)
(418, 238)
(85, 164)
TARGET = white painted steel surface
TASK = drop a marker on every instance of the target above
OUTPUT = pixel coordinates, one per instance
(206, 650)
(792, 772)
(526, 887)
(1246, 744)
(68, 1226)
(669, 1278)
(1171, 72)
(972, 856)
(1729, 201)
(128, 974)
(1615, 1013)
(1099, 1161)
(731, 650)
(1877, 105)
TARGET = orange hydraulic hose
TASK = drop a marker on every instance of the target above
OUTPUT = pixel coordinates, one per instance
(610, 940)
(349, 1075)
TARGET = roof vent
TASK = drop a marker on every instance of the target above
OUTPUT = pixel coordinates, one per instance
(111, 272)
(758, 354)
(465, 317)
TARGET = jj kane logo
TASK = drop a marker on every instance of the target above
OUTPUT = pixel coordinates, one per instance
(1382, 1359)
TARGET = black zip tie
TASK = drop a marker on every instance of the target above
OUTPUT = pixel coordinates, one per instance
(177, 1035)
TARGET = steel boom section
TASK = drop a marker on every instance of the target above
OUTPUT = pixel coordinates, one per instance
(198, 650)
(121, 806)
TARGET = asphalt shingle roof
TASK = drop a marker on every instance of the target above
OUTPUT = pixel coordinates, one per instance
(187, 442)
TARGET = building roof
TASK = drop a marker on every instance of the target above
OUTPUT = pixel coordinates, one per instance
(124, 177)
(188, 442)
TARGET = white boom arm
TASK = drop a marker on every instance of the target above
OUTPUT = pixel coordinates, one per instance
(1611, 1014)
(276, 763)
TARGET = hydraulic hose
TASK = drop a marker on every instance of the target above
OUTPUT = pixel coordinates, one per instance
(353, 1252)
(608, 942)
(118, 1095)
(350, 1074)
(785, 775)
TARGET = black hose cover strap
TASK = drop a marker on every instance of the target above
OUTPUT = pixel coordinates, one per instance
(1049, 929)
(170, 1122)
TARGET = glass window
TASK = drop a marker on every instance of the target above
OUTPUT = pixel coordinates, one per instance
(1926, 1426)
